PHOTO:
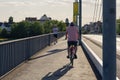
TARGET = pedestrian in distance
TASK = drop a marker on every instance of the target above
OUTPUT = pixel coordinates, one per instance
(55, 33)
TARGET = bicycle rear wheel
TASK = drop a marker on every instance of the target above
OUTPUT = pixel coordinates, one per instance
(71, 59)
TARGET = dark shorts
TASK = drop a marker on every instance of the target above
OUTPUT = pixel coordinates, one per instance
(72, 43)
(55, 35)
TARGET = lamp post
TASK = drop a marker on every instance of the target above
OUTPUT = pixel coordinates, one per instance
(80, 20)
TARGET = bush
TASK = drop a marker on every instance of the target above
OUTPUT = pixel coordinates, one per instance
(4, 33)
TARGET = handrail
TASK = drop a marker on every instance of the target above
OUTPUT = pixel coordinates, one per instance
(14, 52)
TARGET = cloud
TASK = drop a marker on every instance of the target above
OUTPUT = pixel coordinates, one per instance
(58, 2)
(17, 3)
(36, 3)
(91, 2)
(118, 3)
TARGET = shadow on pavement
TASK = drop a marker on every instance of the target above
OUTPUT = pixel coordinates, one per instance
(58, 73)
(49, 53)
(56, 51)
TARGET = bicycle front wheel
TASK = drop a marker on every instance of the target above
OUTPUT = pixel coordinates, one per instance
(72, 59)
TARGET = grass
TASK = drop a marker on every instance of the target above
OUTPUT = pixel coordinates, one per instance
(3, 39)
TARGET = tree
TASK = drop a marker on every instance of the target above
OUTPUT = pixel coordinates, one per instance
(4, 33)
(62, 26)
(0, 31)
(48, 26)
(118, 26)
(36, 29)
(19, 30)
(10, 20)
(26, 29)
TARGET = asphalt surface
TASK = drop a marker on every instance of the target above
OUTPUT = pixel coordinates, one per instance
(51, 64)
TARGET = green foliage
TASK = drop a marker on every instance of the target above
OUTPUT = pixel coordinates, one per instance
(0, 30)
(19, 30)
(35, 29)
(118, 26)
(61, 26)
(48, 26)
(4, 33)
(27, 29)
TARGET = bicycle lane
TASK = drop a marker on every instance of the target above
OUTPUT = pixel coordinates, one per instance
(52, 64)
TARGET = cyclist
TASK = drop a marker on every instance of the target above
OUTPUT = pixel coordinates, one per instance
(72, 35)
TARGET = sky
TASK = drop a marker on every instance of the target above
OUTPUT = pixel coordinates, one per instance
(56, 9)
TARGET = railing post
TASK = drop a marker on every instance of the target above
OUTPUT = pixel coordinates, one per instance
(49, 39)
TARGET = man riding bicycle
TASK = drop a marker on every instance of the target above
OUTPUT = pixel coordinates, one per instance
(72, 35)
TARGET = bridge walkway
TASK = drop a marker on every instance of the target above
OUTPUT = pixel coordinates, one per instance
(51, 64)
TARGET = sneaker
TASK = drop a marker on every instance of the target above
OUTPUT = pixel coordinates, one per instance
(75, 56)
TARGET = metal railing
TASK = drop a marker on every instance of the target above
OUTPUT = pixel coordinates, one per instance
(13, 53)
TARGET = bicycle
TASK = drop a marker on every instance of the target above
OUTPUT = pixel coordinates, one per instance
(72, 54)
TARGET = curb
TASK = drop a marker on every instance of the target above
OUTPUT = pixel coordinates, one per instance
(95, 59)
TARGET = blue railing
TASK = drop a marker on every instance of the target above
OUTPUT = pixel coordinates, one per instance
(13, 53)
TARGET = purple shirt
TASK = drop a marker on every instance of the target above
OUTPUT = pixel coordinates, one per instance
(72, 32)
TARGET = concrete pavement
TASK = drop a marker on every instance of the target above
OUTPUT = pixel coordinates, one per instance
(51, 64)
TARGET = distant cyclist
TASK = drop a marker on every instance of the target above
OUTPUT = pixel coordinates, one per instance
(72, 35)
(55, 33)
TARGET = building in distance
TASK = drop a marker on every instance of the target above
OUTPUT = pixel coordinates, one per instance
(42, 19)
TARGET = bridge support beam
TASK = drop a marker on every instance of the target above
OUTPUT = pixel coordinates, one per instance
(80, 20)
(109, 39)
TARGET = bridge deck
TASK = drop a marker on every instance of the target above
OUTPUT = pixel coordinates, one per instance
(52, 64)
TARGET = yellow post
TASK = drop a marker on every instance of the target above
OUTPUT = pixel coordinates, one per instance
(75, 12)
